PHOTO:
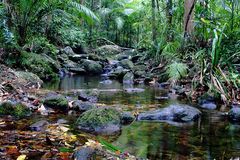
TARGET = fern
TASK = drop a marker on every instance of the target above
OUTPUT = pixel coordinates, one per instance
(176, 71)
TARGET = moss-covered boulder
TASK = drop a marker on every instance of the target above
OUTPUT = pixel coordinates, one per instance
(92, 67)
(57, 102)
(28, 77)
(127, 64)
(105, 121)
(17, 110)
(42, 65)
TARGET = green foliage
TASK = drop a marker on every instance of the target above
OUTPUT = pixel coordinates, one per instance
(176, 71)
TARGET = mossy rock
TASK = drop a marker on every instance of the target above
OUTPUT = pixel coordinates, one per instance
(42, 65)
(100, 120)
(19, 110)
(58, 102)
(127, 64)
(92, 67)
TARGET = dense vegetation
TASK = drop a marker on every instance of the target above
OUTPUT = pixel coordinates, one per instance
(187, 39)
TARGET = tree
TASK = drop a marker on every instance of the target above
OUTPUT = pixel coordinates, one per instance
(188, 17)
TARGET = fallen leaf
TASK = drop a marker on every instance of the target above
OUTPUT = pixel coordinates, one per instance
(22, 157)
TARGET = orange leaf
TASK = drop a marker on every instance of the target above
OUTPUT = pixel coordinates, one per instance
(12, 150)
(65, 155)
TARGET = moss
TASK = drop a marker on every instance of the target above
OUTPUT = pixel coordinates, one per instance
(19, 110)
(56, 102)
(44, 67)
(99, 117)
(6, 108)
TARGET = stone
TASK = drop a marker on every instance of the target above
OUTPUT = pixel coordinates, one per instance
(83, 106)
(68, 51)
(57, 102)
(128, 78)
(234, 114)
(134, 90)
(84, 153)
(104, 121)
(209, 106)
(127, 118)
(30, 78)
(126, 63)
(176, 113)
(77, 70)
(17, 110)
(39, 126)
(92, 67)
(89, 95)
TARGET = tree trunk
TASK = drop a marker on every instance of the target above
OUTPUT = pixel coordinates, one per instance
(169, 20)
(188, 17)
(154, 29)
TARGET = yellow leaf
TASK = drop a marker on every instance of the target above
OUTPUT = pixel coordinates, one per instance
(22, 157)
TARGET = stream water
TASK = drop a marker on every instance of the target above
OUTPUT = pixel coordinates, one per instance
(212, 137)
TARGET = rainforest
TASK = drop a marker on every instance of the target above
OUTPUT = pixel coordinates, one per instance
(119, 79)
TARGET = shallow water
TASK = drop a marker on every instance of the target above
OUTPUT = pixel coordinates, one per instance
(212, 137)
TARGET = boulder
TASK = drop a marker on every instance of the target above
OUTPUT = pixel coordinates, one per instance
(126, 63)
(83, 106)
(29, 78)
(127, 118)
(89, 95)
(18, 110)
(68, 51)
(84, 153)
(78, 57)
(57, 102)
(77, 70)
(207, 102)
(234, 114)
(176, 113)
(128, 78)
(209, 106)
(92, 67)
(105, 121)
(134, 90)
(118, 73)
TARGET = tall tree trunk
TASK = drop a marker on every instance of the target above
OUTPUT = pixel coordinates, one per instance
(154, 29)
(169, 19)
(188, 17)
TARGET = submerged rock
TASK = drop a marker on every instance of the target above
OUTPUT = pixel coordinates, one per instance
(176, 113)
(234, 114)
(39, 126)
(105, 121)
(134, 90)
(58, 102)
(85, 153)
(128, 78)
(127, 118)
(90, 96)
(83, 106)
(207, 102)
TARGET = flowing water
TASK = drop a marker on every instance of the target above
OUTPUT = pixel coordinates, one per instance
(212, 137)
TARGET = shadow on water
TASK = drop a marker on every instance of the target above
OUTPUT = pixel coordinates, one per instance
(213, 137)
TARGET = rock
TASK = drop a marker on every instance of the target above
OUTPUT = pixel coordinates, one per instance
(118, 73)
(83, 106)
(68, 51)
(176, 113)
(106, 82)
(90, 96)
(39, 126)
(78, 49)
(108, 50)
(77, 70)
(207, 102)
(85, 153)
(209, 106)
(105, 121)
(78, 57)
(120, 57)
(234, 114)
(30, 78)
(128, 78)
(58, 102)
(17, 110)
(126, 63)
(127, 118)
(92, 67)
(62, 121)
(134, 90)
